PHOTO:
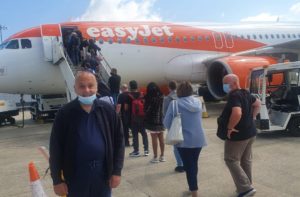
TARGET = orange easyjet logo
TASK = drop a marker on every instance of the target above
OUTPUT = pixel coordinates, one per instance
(130, 32)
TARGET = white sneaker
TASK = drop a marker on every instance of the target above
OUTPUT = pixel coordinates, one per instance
(162, 159)
(154, 160)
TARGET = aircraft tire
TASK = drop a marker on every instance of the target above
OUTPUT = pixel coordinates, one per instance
(294, 126)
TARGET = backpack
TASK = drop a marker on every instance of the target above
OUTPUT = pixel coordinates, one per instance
(137, 106)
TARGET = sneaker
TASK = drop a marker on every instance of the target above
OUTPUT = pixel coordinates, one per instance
(162, 159)
(146, 153)
(179, 169)
(154, 160)
(248, 193)
(134, 154)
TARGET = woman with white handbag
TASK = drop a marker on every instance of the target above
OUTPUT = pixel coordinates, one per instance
(190, 110)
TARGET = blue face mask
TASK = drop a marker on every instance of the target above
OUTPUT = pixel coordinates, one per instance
(226, 88)
(87, 100)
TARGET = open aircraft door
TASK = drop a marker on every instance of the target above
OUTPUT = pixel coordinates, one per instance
(52, 39)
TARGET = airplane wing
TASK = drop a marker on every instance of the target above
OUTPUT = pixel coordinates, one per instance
(290, 46)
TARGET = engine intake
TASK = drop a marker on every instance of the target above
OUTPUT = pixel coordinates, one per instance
(239, 65)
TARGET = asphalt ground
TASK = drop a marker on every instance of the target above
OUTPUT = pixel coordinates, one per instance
(276, 165)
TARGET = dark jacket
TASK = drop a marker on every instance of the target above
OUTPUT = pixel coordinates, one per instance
(114, 83)
(153, 113)
(64, 135)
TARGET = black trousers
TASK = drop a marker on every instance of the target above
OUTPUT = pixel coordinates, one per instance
(137, 127)
(190, 158)
(89, 181)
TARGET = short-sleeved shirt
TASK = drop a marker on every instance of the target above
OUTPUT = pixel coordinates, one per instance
(246, 126)
(123, 99)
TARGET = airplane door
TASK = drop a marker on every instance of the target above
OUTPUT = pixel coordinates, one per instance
(218, 40)
(51, 38)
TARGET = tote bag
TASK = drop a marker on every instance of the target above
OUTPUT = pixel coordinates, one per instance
(174, 135)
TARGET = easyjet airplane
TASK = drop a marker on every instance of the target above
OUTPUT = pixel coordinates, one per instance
(149, 51)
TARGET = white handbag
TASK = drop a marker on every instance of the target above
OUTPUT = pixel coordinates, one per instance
(174, 135)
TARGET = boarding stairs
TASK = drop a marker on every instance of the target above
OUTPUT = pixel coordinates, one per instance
(55, 53)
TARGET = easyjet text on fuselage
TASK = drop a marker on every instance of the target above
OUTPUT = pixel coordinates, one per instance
(129, 32)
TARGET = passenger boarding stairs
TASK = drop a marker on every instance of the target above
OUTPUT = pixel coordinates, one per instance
(55, 53)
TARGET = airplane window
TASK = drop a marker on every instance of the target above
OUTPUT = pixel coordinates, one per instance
(260, 36)
(288, 35)
(272, 36)
(13, 44)
(120, 40)
(169, 39)
(184, 39)
(145, 40)
(207, 38)
(26, 44)
(153, 40)
(162, 39)
(110, 41)
(101, 41)
(192, 38)
(283, 36)
(298, 35)
(128, 40)
(2, 46)
(177, 39)
(137, 41)
(199, 38)
(248, 36)
(267, 37)
(242, 36)
(254, 36)
(278, 36)
(294, 35)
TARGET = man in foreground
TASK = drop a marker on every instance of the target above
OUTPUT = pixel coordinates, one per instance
(86, 144)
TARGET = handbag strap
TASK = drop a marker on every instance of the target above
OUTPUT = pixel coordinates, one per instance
(175, 105)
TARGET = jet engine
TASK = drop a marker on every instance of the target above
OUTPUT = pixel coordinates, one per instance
(239, 65)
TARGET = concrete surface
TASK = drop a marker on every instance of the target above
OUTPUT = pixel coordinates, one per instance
(276, 167)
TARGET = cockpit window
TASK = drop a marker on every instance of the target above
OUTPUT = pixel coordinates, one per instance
(13, 44)
(26, 44)
(2, 46)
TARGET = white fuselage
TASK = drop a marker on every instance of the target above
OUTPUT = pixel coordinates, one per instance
(26, 71)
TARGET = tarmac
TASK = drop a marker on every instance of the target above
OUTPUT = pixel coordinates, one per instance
(276, 165)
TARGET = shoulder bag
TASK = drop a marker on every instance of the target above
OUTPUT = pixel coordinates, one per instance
(174, 135)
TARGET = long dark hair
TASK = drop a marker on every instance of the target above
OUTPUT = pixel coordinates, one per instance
(153, 90)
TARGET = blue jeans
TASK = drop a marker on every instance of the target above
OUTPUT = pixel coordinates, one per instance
(190, 158)
(177, 156)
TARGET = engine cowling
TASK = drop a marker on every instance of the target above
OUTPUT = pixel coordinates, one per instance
(239, 65)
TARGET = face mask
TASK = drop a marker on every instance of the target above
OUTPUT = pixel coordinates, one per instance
(226, 88)
(87, 100)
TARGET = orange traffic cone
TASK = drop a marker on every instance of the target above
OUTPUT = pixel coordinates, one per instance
(35, 183)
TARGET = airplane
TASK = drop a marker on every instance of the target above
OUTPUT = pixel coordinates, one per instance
(150, 51)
